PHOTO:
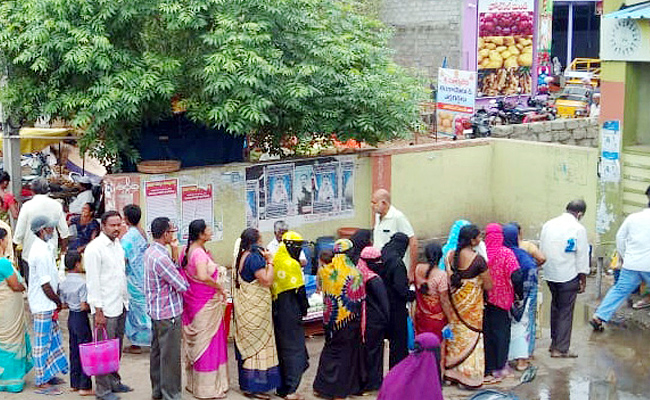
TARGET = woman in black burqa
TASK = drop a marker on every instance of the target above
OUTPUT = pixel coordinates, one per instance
(393, 273)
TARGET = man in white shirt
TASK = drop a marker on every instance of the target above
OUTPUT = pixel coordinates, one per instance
(564, 243)
(85, 196)
(279, 229)
(633, 246)
(388, 221)
(44, 303)
(41, 205)
(105, 265)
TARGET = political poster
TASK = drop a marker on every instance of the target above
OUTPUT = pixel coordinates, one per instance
(196, 203)
(299, 192)
(161, 200)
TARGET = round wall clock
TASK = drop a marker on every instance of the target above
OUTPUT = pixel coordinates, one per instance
(625, 37)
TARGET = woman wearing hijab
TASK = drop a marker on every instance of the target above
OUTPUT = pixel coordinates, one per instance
(432, 309)
(339, 369)
(411, 379)
(393, 273)
(520, 331)
(452, 243)
(469, 279)
(377, 317)
(289, 306)
(361, 239)
(496, 325)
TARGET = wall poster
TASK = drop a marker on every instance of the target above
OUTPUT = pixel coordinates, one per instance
(300, 192)
(120, 191)
(161, 200)
(505, 47)
(197, 203)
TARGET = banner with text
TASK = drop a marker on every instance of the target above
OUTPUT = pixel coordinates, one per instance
(455, 99)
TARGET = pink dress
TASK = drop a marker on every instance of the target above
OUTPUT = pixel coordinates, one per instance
(204, 332)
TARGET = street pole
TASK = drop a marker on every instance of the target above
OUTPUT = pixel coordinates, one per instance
(11, 149)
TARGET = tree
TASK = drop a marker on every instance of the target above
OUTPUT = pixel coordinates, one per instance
(268, 68)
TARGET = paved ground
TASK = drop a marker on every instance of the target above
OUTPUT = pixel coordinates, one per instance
(612, 365)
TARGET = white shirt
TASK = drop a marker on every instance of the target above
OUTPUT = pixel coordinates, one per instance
(564, 243)
(274, 246)
(40, 205)
(394, 221)
(82, 198)
(106, 276)
(42, 270)
(633, 241)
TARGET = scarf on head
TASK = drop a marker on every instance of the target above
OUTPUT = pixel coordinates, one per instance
(369, 255)
(396, 247)
(361, 239)
(287, 274)
(526, 261)
(452, 240)
(501, 263)
(343, 292)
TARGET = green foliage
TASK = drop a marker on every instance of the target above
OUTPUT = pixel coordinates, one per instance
(268, 68)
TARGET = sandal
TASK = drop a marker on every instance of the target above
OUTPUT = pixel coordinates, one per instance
(49, 391)
(262, 396)
(568, 354)
(641, 304)
(491, 380)
(597, 324)
(86, 392)
(294, 396)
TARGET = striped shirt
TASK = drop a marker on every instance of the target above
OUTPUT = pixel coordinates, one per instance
(163, 284)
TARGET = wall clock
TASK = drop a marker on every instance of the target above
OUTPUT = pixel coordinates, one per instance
(625, 37)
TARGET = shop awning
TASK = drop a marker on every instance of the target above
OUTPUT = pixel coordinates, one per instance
(637, 11)
(36, 139)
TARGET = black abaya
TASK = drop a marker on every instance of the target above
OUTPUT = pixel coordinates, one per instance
(339, 372)
(377, 317)
(290, 340)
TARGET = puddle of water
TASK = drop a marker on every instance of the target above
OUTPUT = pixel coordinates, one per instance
(613, 365)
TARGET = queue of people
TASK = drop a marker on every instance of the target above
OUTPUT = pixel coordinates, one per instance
(474, 304)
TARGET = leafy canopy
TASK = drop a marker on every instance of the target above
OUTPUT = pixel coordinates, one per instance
(268, 68)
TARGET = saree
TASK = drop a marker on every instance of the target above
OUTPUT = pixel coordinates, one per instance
(257, 356)
(15, 348)
(429, 316)
(138, 322)
(204, 333)
(465, 355)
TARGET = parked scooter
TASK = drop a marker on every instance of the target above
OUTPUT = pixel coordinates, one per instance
(481, 125)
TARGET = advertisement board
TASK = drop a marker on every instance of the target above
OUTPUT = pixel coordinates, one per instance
(505, 47)
(455, 99)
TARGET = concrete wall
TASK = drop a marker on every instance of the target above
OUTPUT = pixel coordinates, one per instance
(491, 180)
(533, 182)
(425, 32)
(578, 132)
(485, 180)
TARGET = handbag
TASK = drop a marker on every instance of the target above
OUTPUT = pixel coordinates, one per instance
(100, 357)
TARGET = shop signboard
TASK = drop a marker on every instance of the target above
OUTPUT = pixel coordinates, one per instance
(505, 47)
(455, 99)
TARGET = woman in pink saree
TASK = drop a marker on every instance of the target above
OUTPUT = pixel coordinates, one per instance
(204, 331)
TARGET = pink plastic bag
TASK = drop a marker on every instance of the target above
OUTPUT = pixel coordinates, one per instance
(100, 357)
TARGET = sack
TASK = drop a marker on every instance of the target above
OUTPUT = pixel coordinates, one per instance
(411, 332)
(100, 357)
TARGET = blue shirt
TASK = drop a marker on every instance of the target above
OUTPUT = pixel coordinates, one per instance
(73, 291)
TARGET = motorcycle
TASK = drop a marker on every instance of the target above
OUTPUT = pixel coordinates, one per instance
(481, 125)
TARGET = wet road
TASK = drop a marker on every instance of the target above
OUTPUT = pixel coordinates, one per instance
(611, 365)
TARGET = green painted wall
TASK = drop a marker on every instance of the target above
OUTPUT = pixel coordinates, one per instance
(533, 182)
(500, 180)
(436, 188)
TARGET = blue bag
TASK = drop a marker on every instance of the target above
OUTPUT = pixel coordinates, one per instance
(411, 333)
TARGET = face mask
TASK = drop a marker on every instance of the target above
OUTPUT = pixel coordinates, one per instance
(47, 237)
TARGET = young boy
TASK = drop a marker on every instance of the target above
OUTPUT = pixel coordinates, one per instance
(73, 293)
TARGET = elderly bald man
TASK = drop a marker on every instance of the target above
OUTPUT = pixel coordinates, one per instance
(388, 221)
